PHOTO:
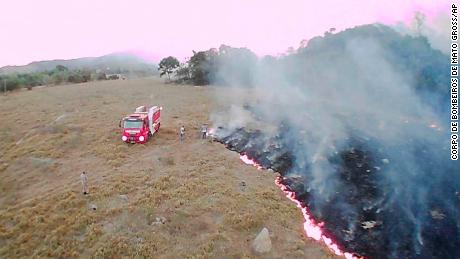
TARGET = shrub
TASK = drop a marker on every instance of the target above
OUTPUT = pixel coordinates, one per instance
(113, 77)
(101, 76)
(10, 82)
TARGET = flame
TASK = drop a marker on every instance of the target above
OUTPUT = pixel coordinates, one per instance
(211, 132)
(249, 161)
(312, 229)
(435, 126)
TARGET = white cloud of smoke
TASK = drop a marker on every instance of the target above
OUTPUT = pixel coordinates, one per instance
(353, 89)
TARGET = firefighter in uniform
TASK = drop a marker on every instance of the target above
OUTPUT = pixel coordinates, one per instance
(204, 131)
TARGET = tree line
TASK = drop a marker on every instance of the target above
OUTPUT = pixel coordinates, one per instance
(59, 75)
(211, 66)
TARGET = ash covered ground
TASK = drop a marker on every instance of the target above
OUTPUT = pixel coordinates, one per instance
(364, 213)
(356, 124)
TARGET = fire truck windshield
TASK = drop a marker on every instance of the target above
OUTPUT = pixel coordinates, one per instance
(132, 124)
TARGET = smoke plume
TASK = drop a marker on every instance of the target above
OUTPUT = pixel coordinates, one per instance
(363, 113)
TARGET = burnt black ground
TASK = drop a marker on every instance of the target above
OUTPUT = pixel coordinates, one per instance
(363, 194)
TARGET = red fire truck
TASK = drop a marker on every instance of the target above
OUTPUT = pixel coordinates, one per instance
(139, 126)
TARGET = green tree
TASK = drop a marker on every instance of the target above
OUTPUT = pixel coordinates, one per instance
(167, 66)
(11, 82)
(101, 76)
(86, 75)
(58, 78)
(61, 68)
(183, 73)
(202, 65)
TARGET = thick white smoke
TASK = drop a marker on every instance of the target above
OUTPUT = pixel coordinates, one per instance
(436, 29)
(354, 89)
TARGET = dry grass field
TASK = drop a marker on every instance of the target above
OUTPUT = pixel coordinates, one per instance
(48, 136)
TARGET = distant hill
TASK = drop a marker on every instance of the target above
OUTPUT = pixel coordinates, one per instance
(112, 62)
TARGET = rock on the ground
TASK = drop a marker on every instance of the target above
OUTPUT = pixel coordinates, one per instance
(124, 197)
(243, 186)
(159, 220)
(108, 227)
(262, 243)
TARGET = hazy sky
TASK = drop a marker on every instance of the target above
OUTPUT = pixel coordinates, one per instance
(51, 29)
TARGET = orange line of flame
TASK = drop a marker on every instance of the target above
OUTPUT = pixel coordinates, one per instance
(311, 228)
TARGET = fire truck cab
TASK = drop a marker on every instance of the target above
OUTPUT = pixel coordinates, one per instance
(139, 126)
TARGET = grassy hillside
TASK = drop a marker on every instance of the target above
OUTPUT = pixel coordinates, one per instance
(49, 135)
